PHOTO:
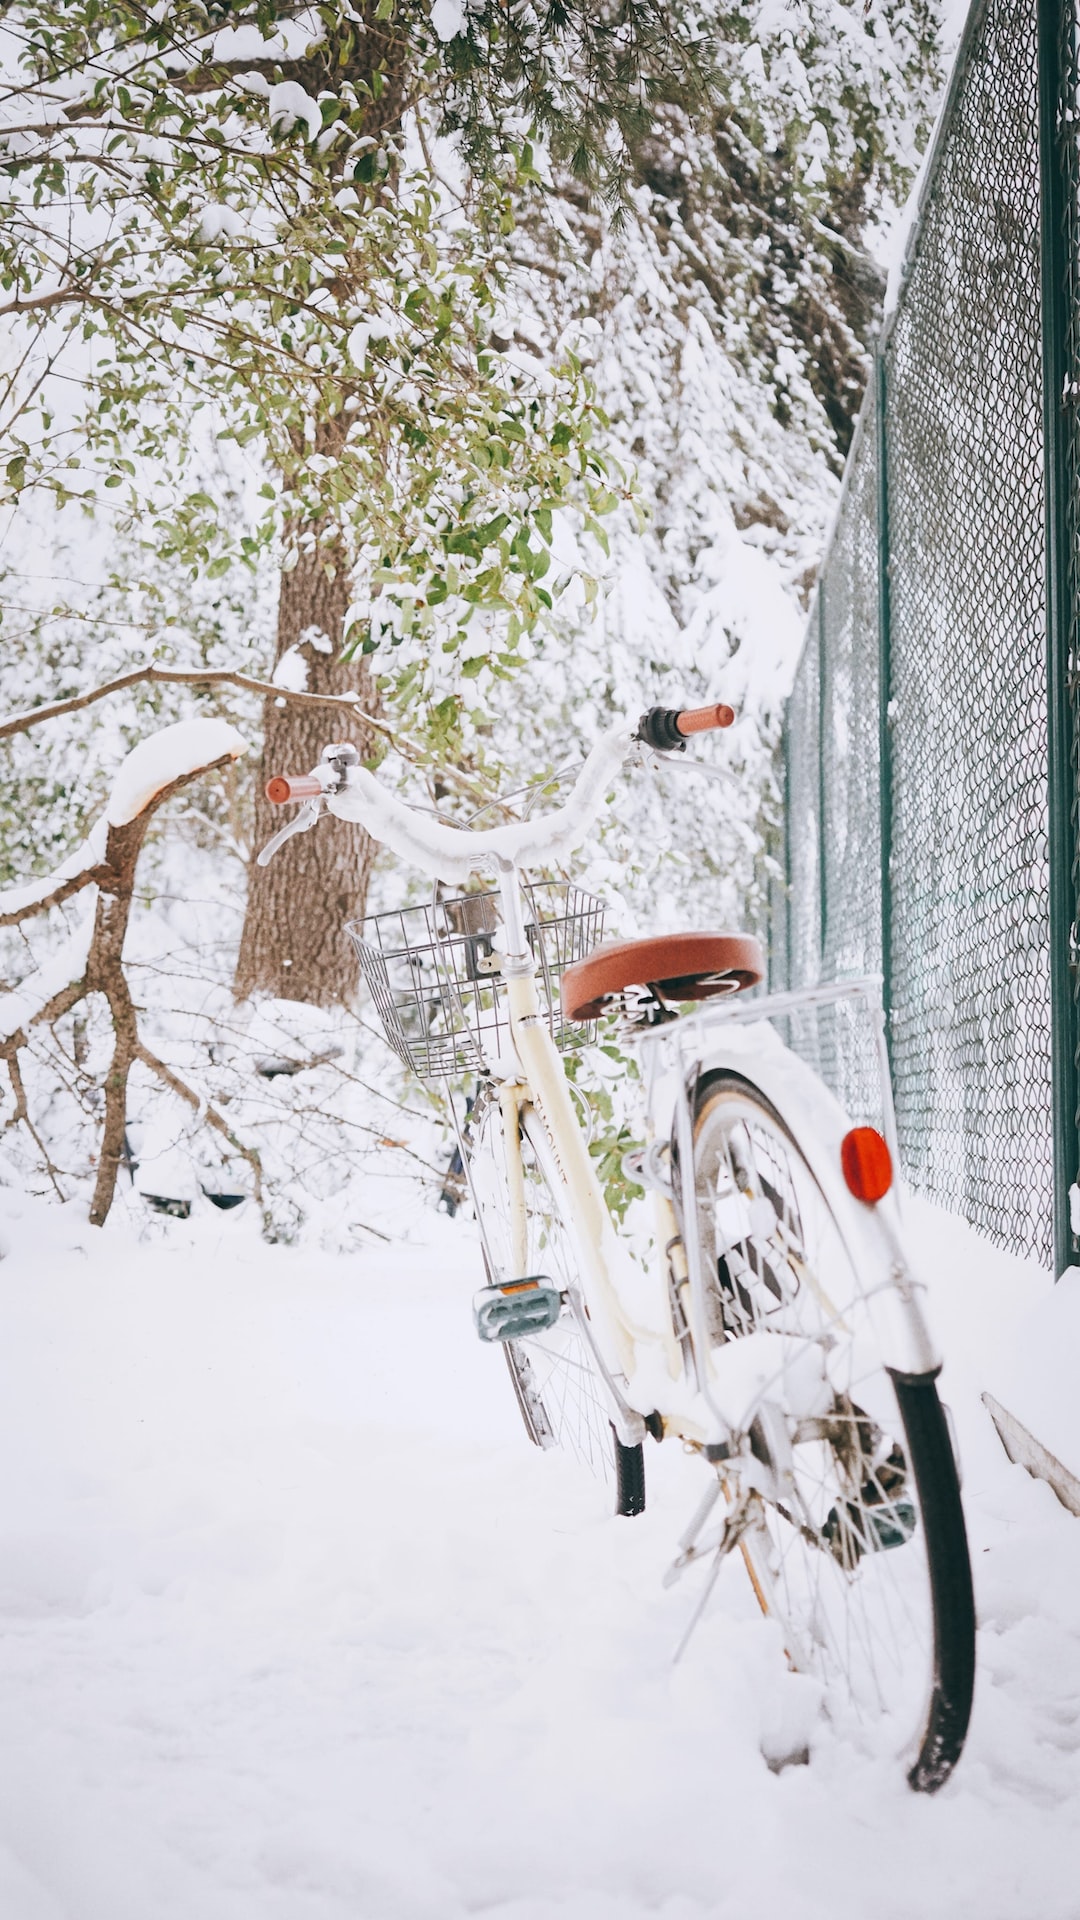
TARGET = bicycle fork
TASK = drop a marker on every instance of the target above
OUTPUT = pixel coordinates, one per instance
(513, 1097)
(603, 1325)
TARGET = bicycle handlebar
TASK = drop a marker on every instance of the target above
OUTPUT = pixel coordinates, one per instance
(665, 729)
(704, 719)
(293, 786)
(453, 853)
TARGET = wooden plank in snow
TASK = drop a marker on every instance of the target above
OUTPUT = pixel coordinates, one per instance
(1023, 1448)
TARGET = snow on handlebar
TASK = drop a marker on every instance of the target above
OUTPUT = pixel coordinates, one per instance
(453, 853)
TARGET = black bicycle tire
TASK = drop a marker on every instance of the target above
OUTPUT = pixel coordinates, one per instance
(933, 1464)
(952, 1593)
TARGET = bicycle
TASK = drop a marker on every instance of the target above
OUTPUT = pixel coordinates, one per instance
(782, 1341)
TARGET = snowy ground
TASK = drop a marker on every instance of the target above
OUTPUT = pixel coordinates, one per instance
(294, 1625)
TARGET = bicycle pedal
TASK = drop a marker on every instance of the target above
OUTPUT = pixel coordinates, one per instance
(517, 1309)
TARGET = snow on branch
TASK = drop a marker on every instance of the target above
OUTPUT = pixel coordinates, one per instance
(186, 749)
(91, 958)
(173, 753)
(27, 1003)
(74, 873)
(187, 677)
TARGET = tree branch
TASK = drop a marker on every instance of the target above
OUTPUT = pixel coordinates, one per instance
(56, 1008)
(185, 677)
(74, 883)
(9, 1052)
(203, 1107)
(350, 703)
(60, 296)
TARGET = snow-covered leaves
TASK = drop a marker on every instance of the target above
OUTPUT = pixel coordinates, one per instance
(724, 323)
(445, 274)
(241, 216)
(238, 227)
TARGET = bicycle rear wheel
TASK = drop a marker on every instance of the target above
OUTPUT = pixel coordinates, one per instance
(858, 1548)
(560, 1393)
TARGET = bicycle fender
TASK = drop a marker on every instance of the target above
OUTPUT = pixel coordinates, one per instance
(872, 1233)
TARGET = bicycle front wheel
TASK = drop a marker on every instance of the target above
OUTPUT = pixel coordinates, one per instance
(858, 1545)
(560, 1392)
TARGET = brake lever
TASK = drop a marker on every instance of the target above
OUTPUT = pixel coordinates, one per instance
(657, 761)
(307, 818)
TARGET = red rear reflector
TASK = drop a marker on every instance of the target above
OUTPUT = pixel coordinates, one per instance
(867, 1163)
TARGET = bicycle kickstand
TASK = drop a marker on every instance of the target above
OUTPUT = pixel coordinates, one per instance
(717, 1545)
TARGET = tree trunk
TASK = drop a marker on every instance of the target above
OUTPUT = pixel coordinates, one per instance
(294, 945)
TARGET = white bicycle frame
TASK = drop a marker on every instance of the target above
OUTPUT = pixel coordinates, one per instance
(642, 1364)
(542, 1083)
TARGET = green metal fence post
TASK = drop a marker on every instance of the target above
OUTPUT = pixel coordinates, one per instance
(788, 981)
(885, 787)
(1055, 20)
(823, 878)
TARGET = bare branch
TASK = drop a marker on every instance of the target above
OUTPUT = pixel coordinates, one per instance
(184, 677)
(350, 703)
(60, 296)
(55, 1008)
(202, 1107)
(90, 876)
(9, 1052)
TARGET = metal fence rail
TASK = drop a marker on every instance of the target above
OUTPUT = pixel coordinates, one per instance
(930, 735)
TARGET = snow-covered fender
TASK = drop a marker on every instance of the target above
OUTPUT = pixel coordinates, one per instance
(873, 1234)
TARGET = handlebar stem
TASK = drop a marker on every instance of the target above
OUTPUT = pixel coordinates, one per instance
(518, 957)
(346, 788)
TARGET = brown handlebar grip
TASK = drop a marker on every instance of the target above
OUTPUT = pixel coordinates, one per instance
(292, 786)
(704, 719)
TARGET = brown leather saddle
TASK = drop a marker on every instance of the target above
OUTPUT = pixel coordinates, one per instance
(677, 966)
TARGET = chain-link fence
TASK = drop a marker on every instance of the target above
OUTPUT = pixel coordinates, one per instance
(922, 762)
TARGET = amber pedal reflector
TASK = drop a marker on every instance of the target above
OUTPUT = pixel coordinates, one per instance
(867, 1164)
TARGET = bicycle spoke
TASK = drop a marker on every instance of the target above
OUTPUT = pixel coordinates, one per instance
(555, 1371)
(848, 1577)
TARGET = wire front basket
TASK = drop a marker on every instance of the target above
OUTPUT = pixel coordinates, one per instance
(434, 975)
